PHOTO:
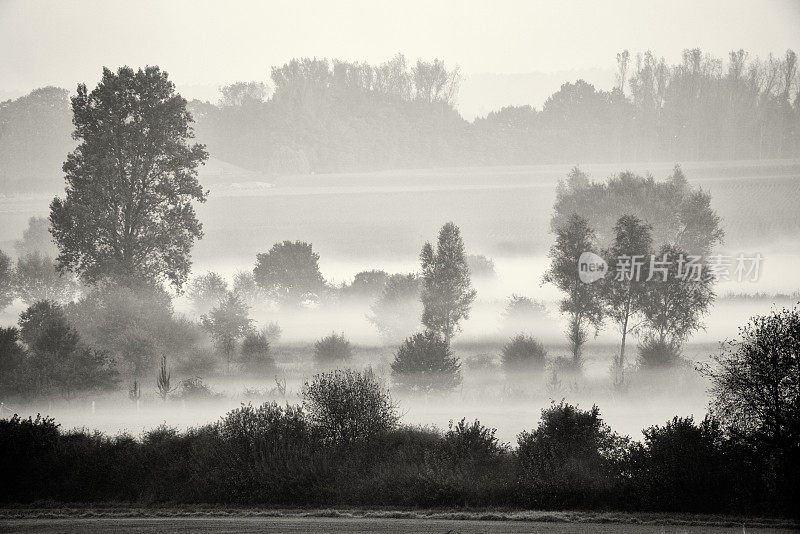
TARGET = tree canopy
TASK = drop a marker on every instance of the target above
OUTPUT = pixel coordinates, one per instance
(131, 181)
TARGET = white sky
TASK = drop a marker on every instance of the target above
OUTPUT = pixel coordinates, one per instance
(200, 42)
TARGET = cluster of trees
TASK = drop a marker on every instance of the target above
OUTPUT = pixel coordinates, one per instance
(626, 218)
(344, 446)
(325, 116)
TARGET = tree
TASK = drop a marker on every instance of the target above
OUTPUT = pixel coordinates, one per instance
(6, 281)
(256, 354)
(447, 294)
(244, 94)
(674, 302)
(366, 286)
(228, 322)
(130, 183)
(206, 291)
(12, 363)
(348, 406)
(424, 362)
(572, 453)
(289, 272)
(624, 291)
(582, 301)
(57, 359)
(397, 311)
(36, 278)
(755, 390)
(36, 238)
(244, 285)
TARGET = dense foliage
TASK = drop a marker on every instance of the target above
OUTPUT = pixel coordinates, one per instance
(287, 455)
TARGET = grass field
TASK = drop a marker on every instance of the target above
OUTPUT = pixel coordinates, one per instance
(351, 521)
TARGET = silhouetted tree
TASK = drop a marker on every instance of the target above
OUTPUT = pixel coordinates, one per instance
(755, 391)
(131, 182)
(624, 290)
(447, 293)
(582, 302)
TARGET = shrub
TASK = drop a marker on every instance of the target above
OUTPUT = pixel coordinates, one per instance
(572, 458)
(256, 356)
(524, 353)
(656, 355)
(470, 443)
(348, 406)
(424, 362)
(688, 467)
(194, 389)
(333, 348)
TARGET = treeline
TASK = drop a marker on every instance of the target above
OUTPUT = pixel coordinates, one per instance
(322, 116)
(343, 446)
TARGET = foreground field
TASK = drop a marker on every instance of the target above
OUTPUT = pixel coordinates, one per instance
(266, 521)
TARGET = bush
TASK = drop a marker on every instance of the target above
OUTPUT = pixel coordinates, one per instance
(256, 356)
(684, 467)
(194, 389)
(470, 443)
(658, 355)
(424, 362)
(348, 406)
(333, 348)
(524, 353)
(572, 459)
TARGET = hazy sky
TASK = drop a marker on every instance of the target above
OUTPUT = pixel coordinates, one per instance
(201, 42)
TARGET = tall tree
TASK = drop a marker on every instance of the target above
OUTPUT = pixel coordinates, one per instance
(131, 181)
(582, 302)
(447, 293)
(677, 295)
(624, 290)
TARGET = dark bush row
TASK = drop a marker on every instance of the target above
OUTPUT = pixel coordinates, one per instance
(284, 456)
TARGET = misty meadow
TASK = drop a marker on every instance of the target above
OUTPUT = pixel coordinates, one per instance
(330, 290)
